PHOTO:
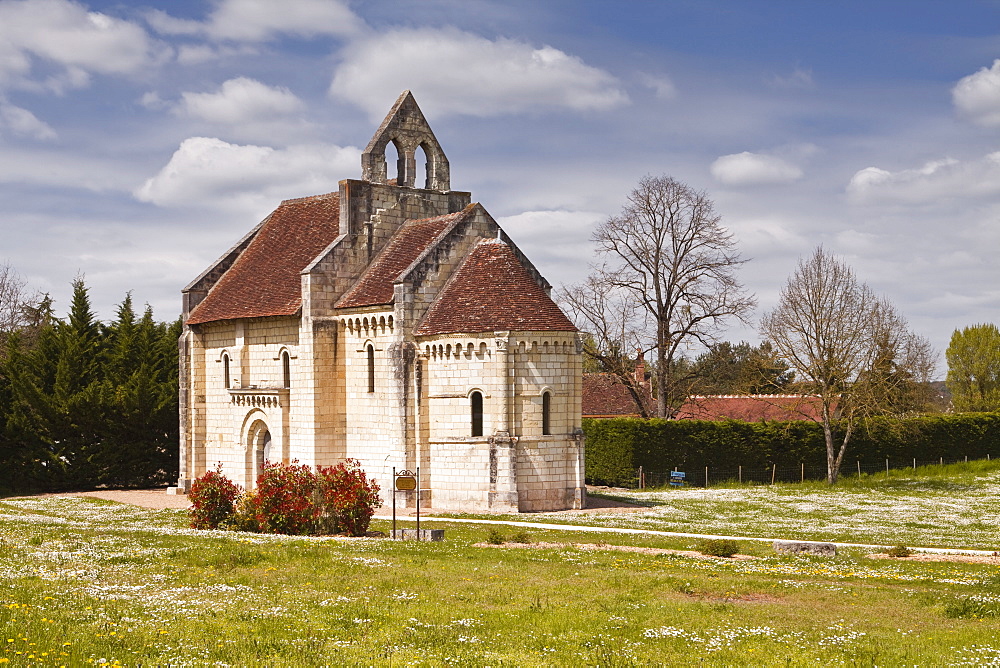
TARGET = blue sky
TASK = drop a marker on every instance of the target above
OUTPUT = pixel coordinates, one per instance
(138, 141)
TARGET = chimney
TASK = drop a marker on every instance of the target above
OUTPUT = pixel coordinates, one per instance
(640, 368)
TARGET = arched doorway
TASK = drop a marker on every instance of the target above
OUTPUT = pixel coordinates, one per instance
(258, 449)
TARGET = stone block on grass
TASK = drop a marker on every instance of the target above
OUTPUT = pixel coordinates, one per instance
(802, 547)
(425, 534)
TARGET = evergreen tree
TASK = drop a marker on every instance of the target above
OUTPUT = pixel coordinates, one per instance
(142, 379)
(90, 405)
(741, 369)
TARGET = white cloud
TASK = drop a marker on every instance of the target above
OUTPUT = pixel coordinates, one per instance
(798, 79)
(194, 54)
(456, 72)
(247, 110)
(933, 182)
(977, 96)
(661, 85)
(152, 100)
(557, 242)
(64, 33)
(240, 100)
(743, 169)
(22, 122)
(38, 166)
(768, 236)
(260, 20)
(208, 172)
(859, 243)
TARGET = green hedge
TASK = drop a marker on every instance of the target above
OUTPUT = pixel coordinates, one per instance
(616, 448)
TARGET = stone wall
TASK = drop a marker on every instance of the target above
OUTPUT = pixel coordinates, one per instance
(513, 466)
(372, 432)
(227, 420)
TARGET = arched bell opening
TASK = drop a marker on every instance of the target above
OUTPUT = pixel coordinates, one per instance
(422, 168)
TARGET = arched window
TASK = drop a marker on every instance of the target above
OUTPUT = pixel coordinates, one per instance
(422, 177)
(546, 413)
(371, 368)
(225, 370)
(476, 403)
(286, 370)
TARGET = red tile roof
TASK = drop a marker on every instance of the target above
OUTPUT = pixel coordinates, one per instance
(375, 285)
(492, 291)
(605, 395)
(264, 280)
(751, 408)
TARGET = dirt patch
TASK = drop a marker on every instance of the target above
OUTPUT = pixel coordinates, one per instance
(957, 558)
(738, 598)
(596, 504)
(616, 548)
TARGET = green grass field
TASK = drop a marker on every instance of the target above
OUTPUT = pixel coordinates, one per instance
(935, 506)
(87, 582)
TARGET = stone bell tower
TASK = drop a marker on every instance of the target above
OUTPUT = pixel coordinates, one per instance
(408, 130)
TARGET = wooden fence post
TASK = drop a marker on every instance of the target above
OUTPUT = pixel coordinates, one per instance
(803, 479)
(859, 468)
(741, 474)
(774, 470)
(706, 477)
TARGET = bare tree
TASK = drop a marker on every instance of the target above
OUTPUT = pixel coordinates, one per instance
(613, 326)
(671, 264)
(20, 311)
(847, 346)
(16, 303)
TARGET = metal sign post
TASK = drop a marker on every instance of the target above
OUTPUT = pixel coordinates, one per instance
(405, 481)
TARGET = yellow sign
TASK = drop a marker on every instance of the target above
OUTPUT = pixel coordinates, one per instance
(406, 483)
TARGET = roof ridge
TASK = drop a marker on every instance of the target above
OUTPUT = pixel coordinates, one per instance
(293, 200)
(415, 221)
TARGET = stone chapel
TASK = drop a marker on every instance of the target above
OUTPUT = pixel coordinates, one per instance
(390, 322)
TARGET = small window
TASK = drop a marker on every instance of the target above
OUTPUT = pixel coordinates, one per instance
(476, 402)
(371, 368)
(286, 370)
(546, 412)
(225, 370)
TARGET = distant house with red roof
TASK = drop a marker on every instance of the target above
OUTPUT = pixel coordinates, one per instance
(751, 408)
(606, 396)
(389, 323)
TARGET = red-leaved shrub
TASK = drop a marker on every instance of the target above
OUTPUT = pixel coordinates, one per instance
(346, 498)
(283, 500)
(289, 499)
(213, 497)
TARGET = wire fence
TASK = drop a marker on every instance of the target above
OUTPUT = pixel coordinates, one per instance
(706, 476)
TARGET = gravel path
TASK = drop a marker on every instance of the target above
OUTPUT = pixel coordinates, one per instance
(156, 499)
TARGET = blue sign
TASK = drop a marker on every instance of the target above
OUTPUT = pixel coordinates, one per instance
(677, 478)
